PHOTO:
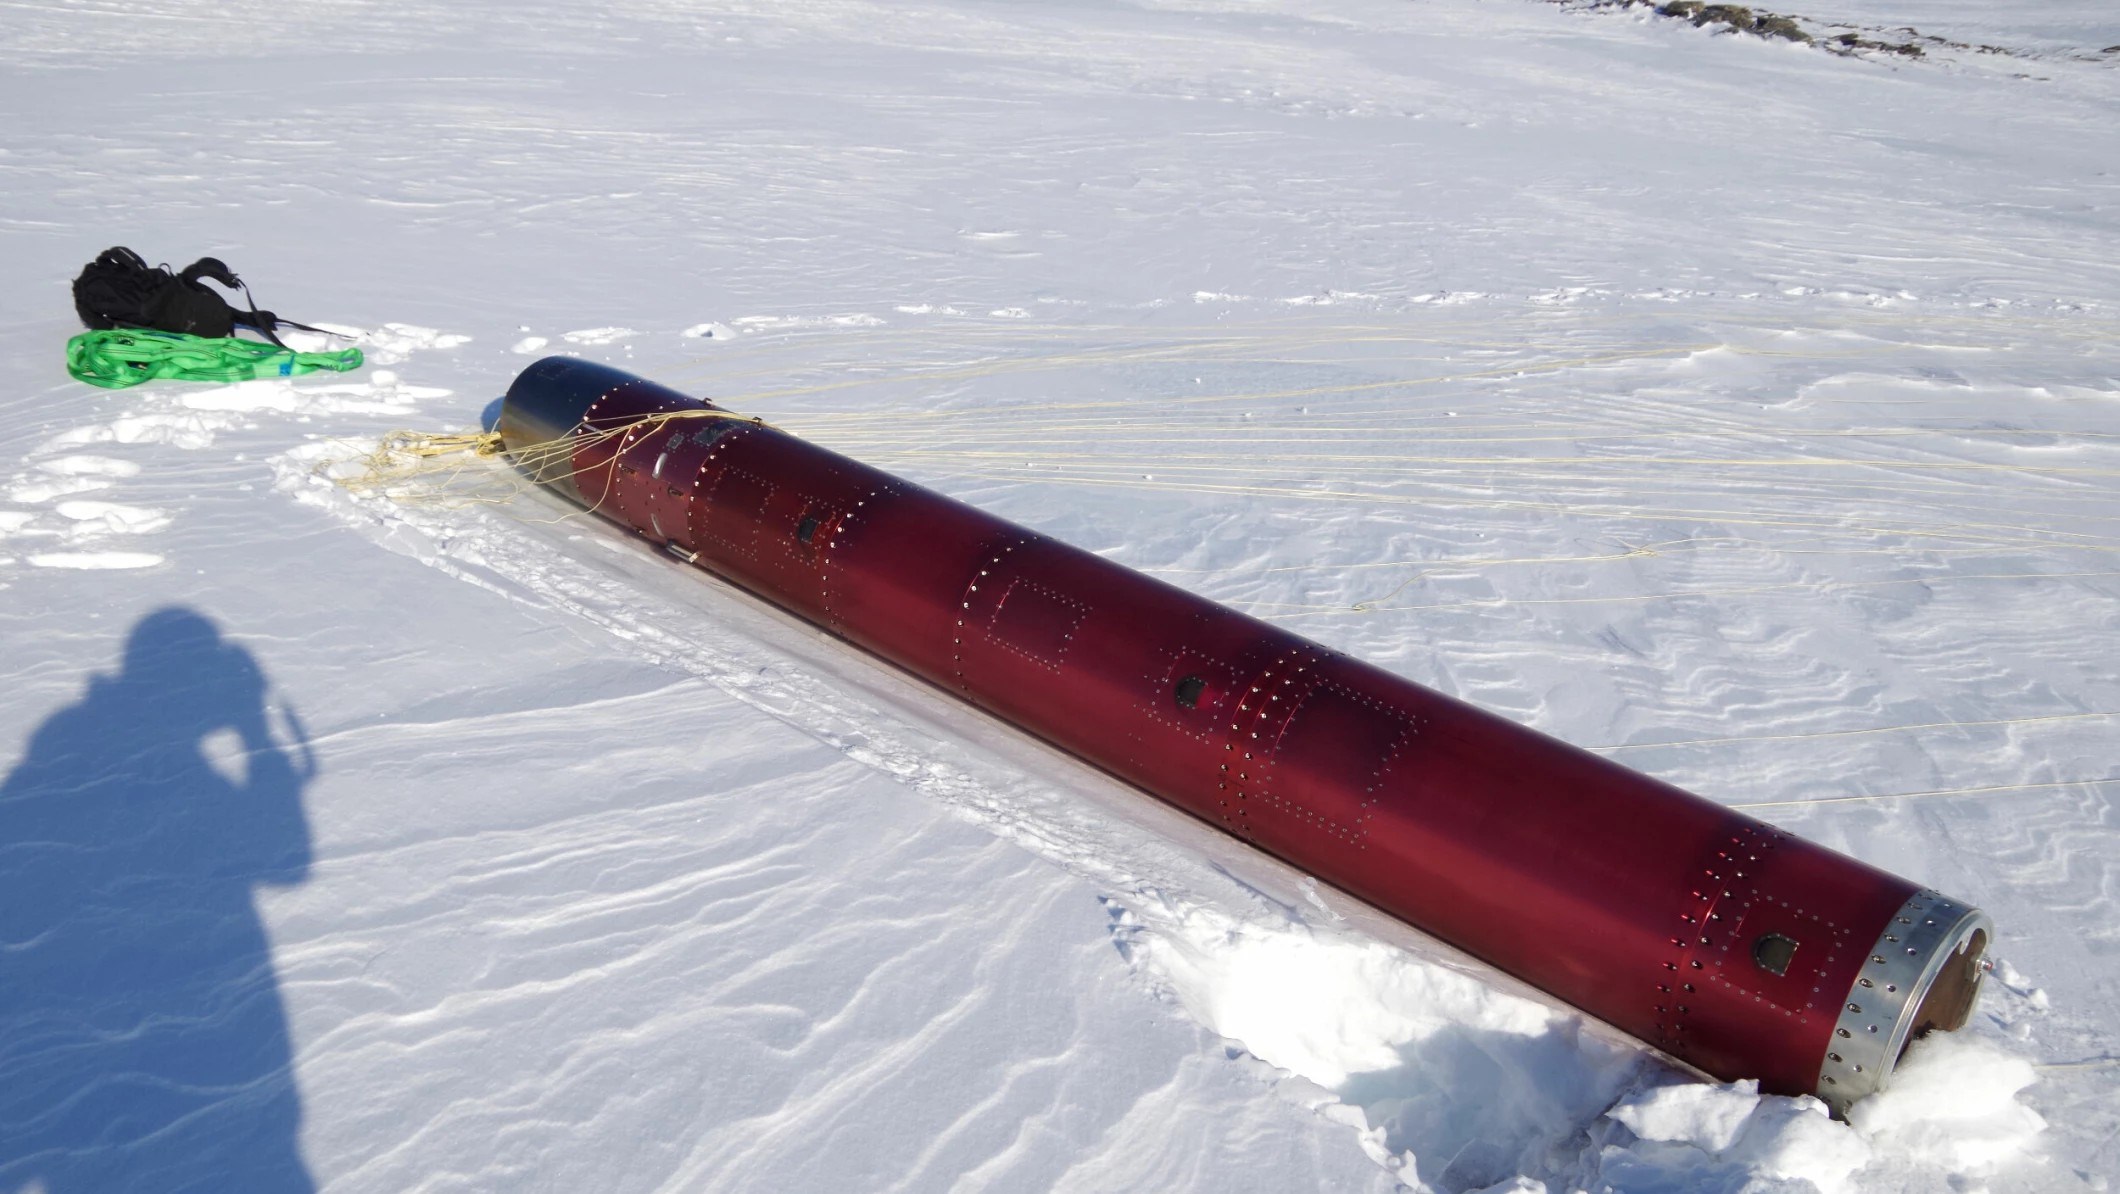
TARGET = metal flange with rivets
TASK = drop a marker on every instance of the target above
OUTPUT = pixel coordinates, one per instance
(1922, 973)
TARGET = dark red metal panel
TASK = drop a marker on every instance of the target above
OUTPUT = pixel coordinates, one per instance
(1722, 941)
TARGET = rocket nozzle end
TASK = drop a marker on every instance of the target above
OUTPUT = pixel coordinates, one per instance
(1922, 975)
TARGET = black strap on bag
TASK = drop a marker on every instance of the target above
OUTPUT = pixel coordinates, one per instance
(119, 289)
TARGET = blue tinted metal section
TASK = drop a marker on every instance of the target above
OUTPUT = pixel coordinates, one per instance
(549, 400)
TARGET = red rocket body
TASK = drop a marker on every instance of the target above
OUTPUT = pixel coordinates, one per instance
(1722, 941)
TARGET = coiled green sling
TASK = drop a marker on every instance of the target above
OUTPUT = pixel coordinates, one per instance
(124, 357)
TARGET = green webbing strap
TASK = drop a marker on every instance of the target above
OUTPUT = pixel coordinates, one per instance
(128, 356)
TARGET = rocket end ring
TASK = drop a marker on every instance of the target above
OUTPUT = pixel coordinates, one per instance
(1921, 975)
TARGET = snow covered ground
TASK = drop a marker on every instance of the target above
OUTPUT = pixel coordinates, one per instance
(1746, 411)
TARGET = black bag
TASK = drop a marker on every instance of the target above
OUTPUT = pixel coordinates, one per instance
(119, 289)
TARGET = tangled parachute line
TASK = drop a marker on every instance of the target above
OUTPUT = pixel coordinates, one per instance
(467, 467)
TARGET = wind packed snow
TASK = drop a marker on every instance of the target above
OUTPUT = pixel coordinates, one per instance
(1742, 410)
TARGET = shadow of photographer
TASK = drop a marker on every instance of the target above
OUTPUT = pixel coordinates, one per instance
(143, 1042)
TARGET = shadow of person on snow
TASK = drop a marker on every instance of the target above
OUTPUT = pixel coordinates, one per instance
(143, 1044)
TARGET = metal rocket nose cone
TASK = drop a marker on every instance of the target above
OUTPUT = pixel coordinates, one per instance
(551, 397)
(1922, 975)
(547, 402)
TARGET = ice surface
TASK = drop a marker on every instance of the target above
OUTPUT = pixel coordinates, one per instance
(1742, 411)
